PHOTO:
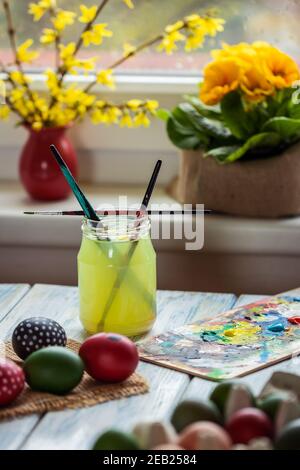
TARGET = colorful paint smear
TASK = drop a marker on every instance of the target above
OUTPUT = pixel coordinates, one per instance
(232, 344)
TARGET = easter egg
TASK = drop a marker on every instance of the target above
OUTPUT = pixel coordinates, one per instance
(221, 392)
(152, 434)
(204, 435)
(167, 447)
(116, 440)
(270, 404)
(109, 357)
(238, 398)
(12, 381)
(54, 370)
(190, 411)
(248, 424)
(36, 333)
(289, 437)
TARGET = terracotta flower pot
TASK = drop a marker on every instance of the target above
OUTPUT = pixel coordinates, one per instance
(266, 187)
(39, 172)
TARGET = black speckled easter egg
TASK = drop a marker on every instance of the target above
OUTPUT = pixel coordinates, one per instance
(36, 333)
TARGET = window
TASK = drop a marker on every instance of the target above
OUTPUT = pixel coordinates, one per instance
(276, 21)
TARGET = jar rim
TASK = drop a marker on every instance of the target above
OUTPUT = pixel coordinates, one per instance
(117, 227)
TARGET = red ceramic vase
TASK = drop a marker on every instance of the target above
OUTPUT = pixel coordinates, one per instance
(39, 171)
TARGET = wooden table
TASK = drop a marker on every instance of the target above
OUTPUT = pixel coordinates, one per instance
(78, 429)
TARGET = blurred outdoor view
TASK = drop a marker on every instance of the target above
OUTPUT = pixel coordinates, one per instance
(276, 21)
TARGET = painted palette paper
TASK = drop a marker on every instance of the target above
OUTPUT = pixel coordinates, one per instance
(232, 344)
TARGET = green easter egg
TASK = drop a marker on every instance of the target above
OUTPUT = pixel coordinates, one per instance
(190, 411)
(289, 437)
(221, 392)
(116, 440)
(270, 404)
(54, 370)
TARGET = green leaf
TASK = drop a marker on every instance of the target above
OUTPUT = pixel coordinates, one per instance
(264, 141)
(240, 122)
(163, 114)
(185, 112)
(211, 112)
(182, 136)
(221, 153)
(287, 128)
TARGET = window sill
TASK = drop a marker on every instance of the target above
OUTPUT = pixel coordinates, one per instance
(223, 234)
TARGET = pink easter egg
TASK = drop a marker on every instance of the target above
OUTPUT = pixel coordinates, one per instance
(204, 435)
(12, 381)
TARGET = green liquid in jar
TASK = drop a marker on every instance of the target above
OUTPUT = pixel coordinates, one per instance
(100, 263)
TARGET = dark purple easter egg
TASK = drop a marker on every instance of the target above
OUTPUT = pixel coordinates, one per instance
(36, 333)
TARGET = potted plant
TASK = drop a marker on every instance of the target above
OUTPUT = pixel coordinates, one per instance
(47, 115)
(240, 137)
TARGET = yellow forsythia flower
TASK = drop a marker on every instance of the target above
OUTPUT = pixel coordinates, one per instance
(168, 43)
(87, 14)
(129, 3)
(63, 19)
(220, 77)
(106, 78)
(134, 104)
(96, 34)
(67, 55)
(126, 120)
(52, 82)
(4, 111)
(17, 94)
(18, 77)
(37, 126)
(174, 27)
(141, 119)
(37, 10)
(23, 54)
(212, 26)
(49, 36)
(151, 105)
(128, 49)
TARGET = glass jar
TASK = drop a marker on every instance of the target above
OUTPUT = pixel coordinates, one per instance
(117, 275)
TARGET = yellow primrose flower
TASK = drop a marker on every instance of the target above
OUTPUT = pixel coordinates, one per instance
(220, 77)
(280, 69)
(4, 111)
(87, 14)
(168, 43)
(141, 119)
(49, 36)
(129, 3)
(174, 27)
(243, 52)
(126, 120)
(63, 19)
(128, 49)
(255, 85)
(106, 78)
(96, 34)
(23, 54)
(134, 104)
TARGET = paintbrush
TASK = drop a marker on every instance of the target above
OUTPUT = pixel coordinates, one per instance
(121, 277)
(106, 212)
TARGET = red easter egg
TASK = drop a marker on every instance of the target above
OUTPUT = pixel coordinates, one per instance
(109, 357)
(12, 381)
(247, 424)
